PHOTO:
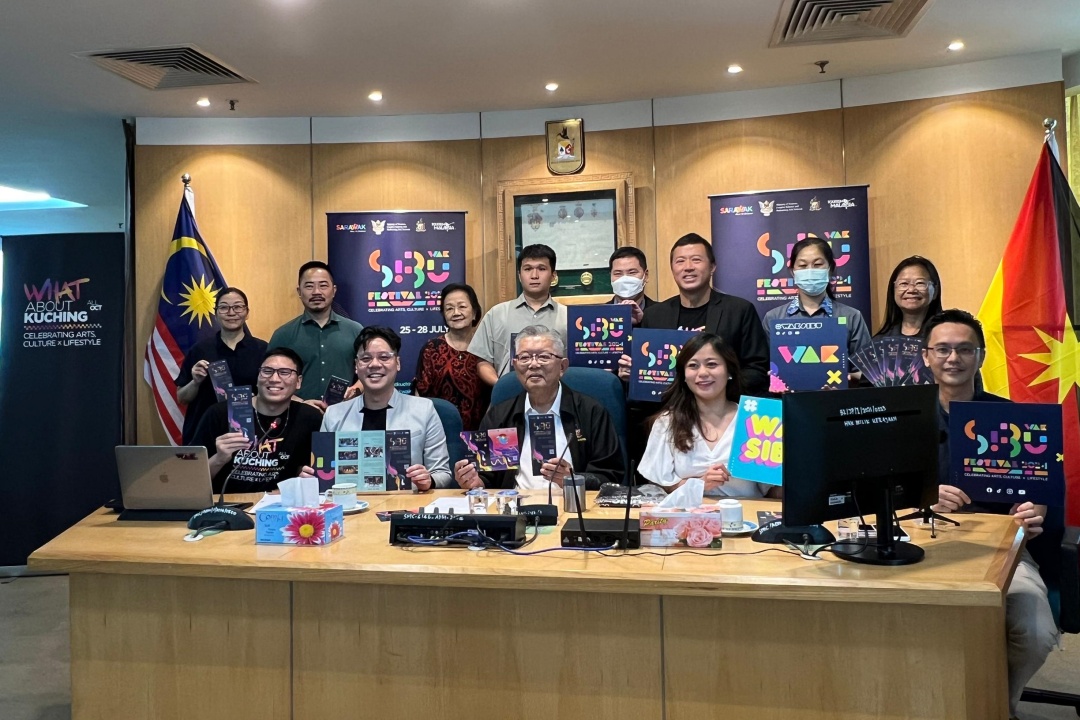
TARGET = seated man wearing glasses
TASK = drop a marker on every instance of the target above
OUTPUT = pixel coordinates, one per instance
(283, 426)
(954, 352)
(381, 407)
(580, 422)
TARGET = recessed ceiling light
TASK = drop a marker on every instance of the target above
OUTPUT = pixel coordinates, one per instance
(956, 45)
(734, 69)
(203, 102)
(375, 96)
(551, 87)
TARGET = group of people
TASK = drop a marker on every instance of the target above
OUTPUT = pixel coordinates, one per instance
(688, 435)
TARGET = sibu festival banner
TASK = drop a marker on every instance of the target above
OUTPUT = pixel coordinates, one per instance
(390, 269)
(753, 234)
(61, 363)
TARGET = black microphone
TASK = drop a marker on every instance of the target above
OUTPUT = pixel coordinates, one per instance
(626, 518)
(219, 515)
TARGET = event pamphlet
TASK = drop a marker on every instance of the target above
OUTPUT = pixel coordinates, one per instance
(495, 449)
(598, 335)
(398, 459)
(1007, 452)
(653, 356)
(335, 390)
(372, 461)
(220, 378)
(322, 458)
(757, 450)
(541, 440)
(241, 412)
(808, 353)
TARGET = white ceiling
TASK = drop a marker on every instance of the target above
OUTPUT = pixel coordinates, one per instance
(322, 57)
(60, 115)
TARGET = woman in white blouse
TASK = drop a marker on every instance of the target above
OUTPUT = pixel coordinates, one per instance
(692, 435)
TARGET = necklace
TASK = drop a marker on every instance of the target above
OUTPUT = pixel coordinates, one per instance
(266, 433)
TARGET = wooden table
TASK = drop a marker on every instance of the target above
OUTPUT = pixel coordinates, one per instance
(224, 628)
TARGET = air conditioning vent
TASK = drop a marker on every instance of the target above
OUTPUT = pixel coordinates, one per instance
(166, 67)
(808, 22)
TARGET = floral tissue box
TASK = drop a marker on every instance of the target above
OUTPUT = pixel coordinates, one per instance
(678, 527)
(279, 525)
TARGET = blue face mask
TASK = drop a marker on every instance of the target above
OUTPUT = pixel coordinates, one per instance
(812, 281)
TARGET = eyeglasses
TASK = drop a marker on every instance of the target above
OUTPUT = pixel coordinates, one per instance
(283, 373)
(540, 358)
(920, 285)
(383, 358)
(231, 309)
(964, 351)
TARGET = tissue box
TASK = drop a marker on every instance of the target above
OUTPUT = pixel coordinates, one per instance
(698, 527)
(279, 525)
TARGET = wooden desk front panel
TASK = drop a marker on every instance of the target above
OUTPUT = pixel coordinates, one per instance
(805, 660)
(392, 652)
(168, 648)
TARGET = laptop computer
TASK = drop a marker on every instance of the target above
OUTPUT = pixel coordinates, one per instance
(163, 482)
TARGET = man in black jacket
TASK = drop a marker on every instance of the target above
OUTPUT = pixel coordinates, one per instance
(700, 308)
(582, 427)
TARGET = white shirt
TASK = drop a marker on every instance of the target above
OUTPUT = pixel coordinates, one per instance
(664, 465)
(525, 478)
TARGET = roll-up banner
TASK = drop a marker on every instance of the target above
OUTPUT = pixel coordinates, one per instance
(61, 361)
(390, 269)
(753, 233)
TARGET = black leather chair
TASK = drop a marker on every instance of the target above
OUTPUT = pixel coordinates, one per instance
(1056, 552)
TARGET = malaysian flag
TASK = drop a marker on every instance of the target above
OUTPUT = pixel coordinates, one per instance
(185, 314)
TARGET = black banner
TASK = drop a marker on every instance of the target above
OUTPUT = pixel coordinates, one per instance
(61, 362)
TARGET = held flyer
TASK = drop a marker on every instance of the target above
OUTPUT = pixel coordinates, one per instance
(757, 450)
(220, 378)
(398, 459)
(597, 335)
(808, 353)
(541, 439)
(653, 356)
(241, 413)
(1007, 452)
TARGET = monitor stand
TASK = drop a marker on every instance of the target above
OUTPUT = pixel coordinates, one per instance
(887, 550)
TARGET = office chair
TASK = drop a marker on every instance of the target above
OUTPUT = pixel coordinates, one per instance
(1059, 565)
(451, 423)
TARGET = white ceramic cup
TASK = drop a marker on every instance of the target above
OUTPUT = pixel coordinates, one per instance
(731, 515)
(344, 494)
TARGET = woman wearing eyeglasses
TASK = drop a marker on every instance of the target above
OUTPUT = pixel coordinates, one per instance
(446, 369)
(240, 351)
(282, 443)
(382, 407)
(914, 295)
(692, 435)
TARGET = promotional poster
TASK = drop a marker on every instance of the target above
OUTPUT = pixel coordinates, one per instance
(808, 353)
(757, 450)
(597, 334)
(1007, 452)
(390, 269)
(753, 233)
(653, 356)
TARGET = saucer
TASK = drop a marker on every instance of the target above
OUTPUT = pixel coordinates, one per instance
(361, 506)
(748, 527)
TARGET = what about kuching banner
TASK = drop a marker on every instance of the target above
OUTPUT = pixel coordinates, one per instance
(753, 233)
(61, 364)
(390, 269)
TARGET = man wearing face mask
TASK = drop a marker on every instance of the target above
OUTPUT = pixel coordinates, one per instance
(629, 273)
(812, 265)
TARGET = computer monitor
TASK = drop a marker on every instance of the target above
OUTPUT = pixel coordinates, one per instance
(859, 452)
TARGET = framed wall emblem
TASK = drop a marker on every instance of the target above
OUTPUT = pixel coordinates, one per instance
(565, 146)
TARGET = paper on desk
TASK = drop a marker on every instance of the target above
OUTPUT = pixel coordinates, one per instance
(688, 496)
(300, 492)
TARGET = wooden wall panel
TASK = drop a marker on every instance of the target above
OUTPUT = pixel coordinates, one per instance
(606, 151)
(253, 206)
(947, 177)
(695, 161)
(442, 175)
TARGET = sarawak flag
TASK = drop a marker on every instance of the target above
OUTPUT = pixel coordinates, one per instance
(185, 315)
(1032, 353)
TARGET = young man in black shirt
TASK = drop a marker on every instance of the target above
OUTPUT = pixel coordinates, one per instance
(284, 428)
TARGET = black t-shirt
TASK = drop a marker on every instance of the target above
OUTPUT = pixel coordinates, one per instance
(244, 363)
(374, 419)
(283, 454)
(944, 456)
(693, 318)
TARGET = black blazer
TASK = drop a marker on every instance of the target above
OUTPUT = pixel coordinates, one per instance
(736, 322)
